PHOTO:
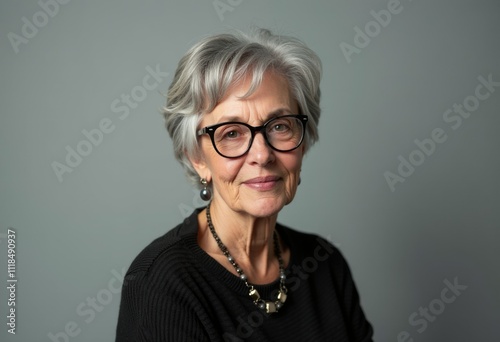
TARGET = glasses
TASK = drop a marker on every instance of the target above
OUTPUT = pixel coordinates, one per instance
(234, 139)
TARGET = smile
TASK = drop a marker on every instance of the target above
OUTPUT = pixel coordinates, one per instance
(262, 183)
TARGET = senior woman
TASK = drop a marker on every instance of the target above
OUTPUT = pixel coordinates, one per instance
(242, 110)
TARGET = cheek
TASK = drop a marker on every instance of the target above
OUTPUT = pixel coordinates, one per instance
(293, 166)
(220, 168)
(293, 163)
(225, 170)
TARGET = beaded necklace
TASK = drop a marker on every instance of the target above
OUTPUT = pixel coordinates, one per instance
(267, 305)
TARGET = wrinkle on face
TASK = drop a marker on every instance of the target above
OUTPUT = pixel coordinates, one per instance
(272, 98)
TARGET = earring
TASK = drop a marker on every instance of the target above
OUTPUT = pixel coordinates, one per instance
(300, 180)
(205, 193)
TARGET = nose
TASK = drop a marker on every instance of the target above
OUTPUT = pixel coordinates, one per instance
(260, 152)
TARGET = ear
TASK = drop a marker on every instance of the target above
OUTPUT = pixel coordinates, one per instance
(201, 166)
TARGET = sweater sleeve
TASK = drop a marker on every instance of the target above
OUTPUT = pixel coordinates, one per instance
(148, 314)
(359, 329)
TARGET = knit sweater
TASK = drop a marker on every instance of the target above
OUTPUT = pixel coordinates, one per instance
(174, 291)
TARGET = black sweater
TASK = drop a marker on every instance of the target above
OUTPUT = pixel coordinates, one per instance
(174, 291)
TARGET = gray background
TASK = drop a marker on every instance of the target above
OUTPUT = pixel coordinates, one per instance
(74, 236)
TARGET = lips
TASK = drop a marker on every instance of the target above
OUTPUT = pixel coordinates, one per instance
(265, 179)
(262, 183)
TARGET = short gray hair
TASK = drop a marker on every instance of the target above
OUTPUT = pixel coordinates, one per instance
(211, 66)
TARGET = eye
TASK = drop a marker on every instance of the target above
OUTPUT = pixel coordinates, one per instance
(231, 132)
(231, 135)
(280, 127)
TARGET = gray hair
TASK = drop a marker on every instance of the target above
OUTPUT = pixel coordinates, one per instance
(211, 66)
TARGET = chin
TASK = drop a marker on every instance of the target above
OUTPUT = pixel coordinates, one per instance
(265, 207)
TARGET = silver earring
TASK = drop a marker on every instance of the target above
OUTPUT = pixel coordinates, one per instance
(205, 193)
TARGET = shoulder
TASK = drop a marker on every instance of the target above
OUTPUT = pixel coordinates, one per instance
(308, 244)
(313, 256)
(316, 255)
(167, 250)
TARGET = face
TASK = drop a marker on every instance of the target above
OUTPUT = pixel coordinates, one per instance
(263, 180)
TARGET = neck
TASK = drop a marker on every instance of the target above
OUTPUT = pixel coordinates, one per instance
(249, 240)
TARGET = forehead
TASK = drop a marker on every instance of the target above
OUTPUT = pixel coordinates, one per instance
(272, 98)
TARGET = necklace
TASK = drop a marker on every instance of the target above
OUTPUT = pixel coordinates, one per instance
(266, 305)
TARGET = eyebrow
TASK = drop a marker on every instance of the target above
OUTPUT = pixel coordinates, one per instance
(270, 115)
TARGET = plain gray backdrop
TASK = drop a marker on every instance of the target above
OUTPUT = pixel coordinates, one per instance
(66, 68)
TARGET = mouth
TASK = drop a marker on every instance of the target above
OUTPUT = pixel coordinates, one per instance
(262, 183)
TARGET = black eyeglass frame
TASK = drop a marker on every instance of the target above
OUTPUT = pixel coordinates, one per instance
(210, 130)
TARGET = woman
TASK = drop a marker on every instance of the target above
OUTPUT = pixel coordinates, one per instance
(242, 111)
